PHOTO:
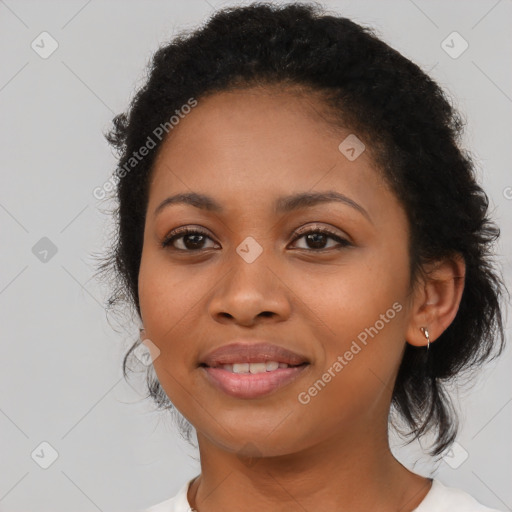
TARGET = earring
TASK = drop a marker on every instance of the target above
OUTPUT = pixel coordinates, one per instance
(424, 330)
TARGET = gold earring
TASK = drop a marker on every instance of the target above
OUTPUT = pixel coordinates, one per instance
(424, 330)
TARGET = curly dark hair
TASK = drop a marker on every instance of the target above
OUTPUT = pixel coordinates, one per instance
(415, 137)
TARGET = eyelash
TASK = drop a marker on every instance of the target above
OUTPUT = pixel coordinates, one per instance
(181, 232)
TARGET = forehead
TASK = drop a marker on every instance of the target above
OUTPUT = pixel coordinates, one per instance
(251, 142)
(251, 112)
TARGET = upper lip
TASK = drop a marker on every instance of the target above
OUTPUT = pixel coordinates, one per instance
(252, 352)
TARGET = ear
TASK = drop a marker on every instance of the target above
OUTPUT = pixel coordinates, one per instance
(436, 299)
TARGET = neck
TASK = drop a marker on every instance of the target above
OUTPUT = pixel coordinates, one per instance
(354, 471)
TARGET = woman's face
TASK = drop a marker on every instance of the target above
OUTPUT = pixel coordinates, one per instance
(253, 275)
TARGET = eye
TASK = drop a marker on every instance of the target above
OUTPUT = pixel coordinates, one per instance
(317, 237)
(192, 240)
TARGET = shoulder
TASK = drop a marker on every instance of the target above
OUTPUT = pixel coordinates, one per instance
(442, 498)
(178, 503)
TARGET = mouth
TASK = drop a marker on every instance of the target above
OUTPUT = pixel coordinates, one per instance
(252, 384)
(250, 371)
(253, 368)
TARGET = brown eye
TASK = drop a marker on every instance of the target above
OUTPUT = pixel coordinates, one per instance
(317, 239)
(191, 240)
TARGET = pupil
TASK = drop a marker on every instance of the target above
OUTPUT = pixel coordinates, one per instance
(194, 243)
(314, 238)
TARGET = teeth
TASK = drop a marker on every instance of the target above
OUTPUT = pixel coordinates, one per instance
(272, 365)
(257, 367)
(241, 368)
(267, 366)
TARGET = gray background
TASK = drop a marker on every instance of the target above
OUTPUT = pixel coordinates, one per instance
(60, 370)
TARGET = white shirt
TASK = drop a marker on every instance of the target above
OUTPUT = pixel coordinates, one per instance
(440, 498)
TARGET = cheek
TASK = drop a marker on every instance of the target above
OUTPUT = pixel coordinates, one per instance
(361, 349)
(352, 297)
(167, 302)
(361, 312)
(167, 294)
(171, 301)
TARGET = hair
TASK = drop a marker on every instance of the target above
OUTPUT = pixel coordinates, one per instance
(414, 136)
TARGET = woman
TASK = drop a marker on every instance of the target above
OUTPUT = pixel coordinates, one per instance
(307, 248)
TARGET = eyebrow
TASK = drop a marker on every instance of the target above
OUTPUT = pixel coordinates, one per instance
(284, 204)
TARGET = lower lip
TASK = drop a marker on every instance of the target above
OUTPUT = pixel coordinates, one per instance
(249, 385)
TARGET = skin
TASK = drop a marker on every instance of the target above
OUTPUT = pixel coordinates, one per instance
(245, 149)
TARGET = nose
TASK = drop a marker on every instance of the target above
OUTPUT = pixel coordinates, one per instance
(250, 293)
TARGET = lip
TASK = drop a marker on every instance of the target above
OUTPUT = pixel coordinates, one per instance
(247, 385)
(245, 351)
